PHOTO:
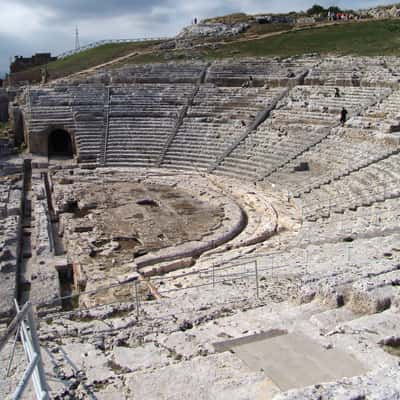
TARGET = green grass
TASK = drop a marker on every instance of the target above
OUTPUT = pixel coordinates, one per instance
(371, 38)
(234, 18)
(363, 39)
(260, 29)
(92, 57)
(367, 38)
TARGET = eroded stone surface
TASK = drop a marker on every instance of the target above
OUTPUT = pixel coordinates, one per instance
(295, 229)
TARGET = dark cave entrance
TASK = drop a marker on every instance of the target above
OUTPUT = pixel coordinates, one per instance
(60, 144)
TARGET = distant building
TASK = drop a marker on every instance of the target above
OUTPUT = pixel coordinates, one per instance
(22, 63)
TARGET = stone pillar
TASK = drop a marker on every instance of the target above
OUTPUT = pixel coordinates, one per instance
(17, 123)
(3, 107)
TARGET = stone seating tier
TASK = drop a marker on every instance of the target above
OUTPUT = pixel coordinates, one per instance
(350, 71)
(149, 73)
(214, 121)
(374, 183)
(272, 72)
(377, 219)
(301, 120)
(337, 155)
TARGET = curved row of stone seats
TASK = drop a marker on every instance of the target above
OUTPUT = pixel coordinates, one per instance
(381, 78)
(199, 142)
(336, 272)
(137, 141)
(40, 118)
(148, 93)
(89, 131)
(62, 95)
(149, 99)
(162, 73)
(357, 280)
(267, 148)
(215, 120)
(374, 183)
(87, 95)
(353, 71)
(10, 218)
(377, 219)
(380, 118)
(326, 99)
(88, 104)
(141, 119)
(362, 275)
(265, 71)
(48, 97)
(341, 153)
(301, 120)
(48, 107)
(184, 72)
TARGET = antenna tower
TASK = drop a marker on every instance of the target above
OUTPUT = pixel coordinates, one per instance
(77, 44)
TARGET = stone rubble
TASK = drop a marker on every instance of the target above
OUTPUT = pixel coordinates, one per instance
(204, 209)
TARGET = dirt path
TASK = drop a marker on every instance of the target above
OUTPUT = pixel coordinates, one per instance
(96, 67)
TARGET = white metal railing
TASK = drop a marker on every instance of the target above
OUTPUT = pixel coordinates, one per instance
(24, 327)
(250, 266)
(108, 41)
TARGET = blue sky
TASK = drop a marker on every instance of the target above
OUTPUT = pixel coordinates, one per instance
(30, 26)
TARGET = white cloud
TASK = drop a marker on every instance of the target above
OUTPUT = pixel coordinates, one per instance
(30, 26)
(20, 20)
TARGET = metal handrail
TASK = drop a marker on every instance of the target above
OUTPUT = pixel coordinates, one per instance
(27, 332)
(109, 41)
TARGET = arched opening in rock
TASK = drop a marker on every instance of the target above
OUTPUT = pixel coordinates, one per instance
(60, 144)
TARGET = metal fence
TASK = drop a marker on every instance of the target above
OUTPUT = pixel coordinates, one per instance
(23, 325)
(248, 267)
(109, 41)
(251, 271)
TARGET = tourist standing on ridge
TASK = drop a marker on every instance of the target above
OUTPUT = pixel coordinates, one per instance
(45, 74)
(343, 115)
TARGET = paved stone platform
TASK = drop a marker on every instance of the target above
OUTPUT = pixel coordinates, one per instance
(293, 360)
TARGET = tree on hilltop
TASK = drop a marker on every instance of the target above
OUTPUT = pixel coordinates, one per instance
(316, 10)
(334, 9)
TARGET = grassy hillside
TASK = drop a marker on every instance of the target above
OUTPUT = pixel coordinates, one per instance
(364, 38)
(95, 56)
(90, 58)
(234, 18)
(359, 38)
